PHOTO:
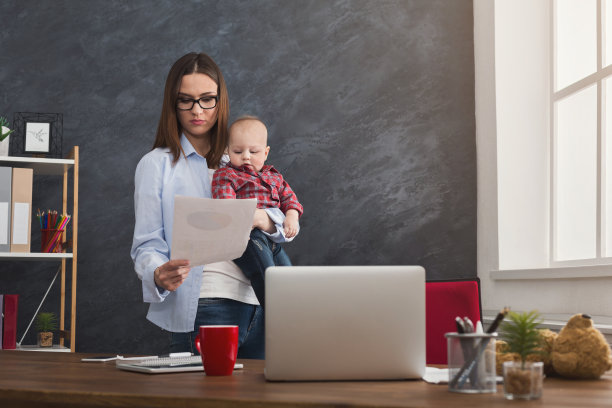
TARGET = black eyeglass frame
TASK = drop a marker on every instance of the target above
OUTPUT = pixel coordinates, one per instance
(193, 102)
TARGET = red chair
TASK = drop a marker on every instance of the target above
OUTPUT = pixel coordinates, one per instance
(444, 301)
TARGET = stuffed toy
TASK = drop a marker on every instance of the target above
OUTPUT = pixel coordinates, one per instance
(580, 350)
(548, 339)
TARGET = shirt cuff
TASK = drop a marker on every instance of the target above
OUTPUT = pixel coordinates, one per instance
(151, 293)
(277, 217)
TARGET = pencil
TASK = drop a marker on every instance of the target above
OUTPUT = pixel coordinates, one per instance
(498, 319)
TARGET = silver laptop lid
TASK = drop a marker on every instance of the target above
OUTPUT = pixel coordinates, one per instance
(345, 322)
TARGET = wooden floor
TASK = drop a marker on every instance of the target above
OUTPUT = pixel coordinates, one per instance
(41, 379)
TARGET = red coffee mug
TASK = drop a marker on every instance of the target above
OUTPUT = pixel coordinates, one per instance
(218, 346)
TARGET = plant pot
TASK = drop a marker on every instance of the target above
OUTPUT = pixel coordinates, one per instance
(4, 144)
(45, 339)
(523, 380)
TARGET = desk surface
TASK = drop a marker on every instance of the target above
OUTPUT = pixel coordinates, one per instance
(60, 379)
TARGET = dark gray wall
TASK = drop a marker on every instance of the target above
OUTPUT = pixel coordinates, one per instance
(370, 109)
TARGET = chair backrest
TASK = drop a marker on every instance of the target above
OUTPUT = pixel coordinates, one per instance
(444, 301)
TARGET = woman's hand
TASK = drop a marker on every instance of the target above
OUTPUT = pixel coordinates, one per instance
(172, 274)
(263, 222)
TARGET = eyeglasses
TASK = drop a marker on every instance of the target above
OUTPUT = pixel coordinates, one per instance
(205, 102)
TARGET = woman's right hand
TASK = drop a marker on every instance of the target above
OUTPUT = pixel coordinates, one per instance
(172, 274)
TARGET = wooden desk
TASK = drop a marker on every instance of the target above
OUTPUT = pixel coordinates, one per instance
(61, 380)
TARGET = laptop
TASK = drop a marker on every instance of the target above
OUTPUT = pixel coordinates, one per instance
(345, 323)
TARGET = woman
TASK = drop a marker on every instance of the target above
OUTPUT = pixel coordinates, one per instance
(189, 145)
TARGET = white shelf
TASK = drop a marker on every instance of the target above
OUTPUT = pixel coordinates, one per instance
(54, 167)
(56, 348)
(33, 256)
(41, 166)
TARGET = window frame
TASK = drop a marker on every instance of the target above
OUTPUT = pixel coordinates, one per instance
(597, 78)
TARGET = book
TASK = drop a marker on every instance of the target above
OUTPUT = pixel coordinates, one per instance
(21, 207)
(6, 175)
(9, 335)
(1, 316)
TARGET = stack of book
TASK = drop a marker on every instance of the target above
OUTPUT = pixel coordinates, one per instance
(15, 209)
(15, 236)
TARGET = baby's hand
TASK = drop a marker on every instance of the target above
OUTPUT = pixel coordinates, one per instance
(291, 224)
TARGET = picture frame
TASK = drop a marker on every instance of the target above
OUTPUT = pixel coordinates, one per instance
(37, 135)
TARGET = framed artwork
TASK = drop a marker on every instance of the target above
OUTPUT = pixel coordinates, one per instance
(37, 134)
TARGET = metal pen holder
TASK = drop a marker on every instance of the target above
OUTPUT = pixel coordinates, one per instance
(471, 362)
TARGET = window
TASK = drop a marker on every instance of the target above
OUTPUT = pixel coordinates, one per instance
(514, 134)
(581, 143)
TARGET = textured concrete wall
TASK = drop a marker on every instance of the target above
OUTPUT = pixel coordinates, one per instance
(369, 104)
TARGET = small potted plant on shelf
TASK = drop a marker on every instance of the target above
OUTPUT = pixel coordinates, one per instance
(4, 136)
(46, 324)
(523, 379)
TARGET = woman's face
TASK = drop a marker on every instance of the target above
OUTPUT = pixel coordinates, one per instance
(197, 121)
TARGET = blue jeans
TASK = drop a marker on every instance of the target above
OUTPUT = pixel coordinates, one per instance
(219, 311)
(259, 254)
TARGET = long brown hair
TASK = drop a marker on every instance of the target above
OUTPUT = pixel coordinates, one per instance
(169, 128)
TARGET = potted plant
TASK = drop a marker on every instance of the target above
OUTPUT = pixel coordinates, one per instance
(4, 136)
(522, 379)
(46, 324)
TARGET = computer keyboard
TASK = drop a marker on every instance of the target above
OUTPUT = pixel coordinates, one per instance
(168, 361)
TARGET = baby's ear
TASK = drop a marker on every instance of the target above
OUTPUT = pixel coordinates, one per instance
(267, 151)
(226, 151)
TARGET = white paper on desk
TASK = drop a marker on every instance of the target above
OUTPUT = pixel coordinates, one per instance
(434, 375)
(208, 230)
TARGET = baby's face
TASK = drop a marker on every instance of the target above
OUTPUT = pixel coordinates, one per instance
(247, 144)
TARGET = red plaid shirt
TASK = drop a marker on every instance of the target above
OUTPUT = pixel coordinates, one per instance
(267, 186)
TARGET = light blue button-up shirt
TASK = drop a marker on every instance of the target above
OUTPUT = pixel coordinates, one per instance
(157, 181)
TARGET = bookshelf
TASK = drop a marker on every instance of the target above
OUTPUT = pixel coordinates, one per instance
(60, 168)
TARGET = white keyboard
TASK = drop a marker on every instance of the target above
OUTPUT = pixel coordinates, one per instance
(168, 361)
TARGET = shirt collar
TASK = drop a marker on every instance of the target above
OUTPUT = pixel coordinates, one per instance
(187, 146)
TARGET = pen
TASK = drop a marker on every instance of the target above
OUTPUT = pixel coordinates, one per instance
(460, 325)
(469, 325)
(465, 326)
(182, 354)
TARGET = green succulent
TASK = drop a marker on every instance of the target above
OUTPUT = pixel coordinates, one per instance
(520, 331)
(46, 322)
(4, 124)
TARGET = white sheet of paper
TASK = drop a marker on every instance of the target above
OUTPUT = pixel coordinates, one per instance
(21, 214)
(434, 375)
(207, 230)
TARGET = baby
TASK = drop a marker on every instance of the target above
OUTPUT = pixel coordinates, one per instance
(246, 176)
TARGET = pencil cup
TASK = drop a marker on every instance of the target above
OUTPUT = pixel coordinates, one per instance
(51, 240)
(471, 362)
